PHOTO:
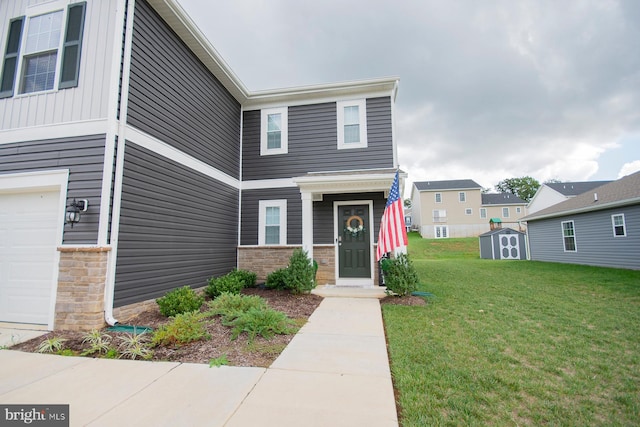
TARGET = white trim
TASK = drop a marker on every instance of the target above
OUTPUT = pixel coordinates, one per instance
(263, 184)
(58, 130)
(112, 126)
(54, 179)
(613, 225)
(262, 220)
(444, 235)
(363, 281)
(575, 241)
(508, 212)
(362, 123)
(157, 146)
(284, 131)
(485, 213)
(110, 284)
(435, 197)
(462, 196)
(468, 211)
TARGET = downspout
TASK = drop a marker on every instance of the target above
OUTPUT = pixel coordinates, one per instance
(129, 6)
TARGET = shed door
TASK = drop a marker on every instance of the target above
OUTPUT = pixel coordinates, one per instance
(509, 246)
(28, 230)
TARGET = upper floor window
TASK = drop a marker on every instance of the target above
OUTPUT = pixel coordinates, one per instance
(468, 211)
(438, 197)
(619, 228)
(483, 213)
(272, 227)
(462, 196)
(439, 215)
(518, 209)
(569, 236)
(505, 212)
(41, 53)
(352, 124)
(274, 131)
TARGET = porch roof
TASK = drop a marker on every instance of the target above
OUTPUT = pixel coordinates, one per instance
(353, 181)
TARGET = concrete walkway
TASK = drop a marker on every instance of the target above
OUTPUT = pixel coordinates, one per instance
(334, 372)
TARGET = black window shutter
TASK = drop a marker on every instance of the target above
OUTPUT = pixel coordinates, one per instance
(72, 46)
(10, 64)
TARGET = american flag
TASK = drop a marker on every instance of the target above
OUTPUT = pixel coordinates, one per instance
(393, 233)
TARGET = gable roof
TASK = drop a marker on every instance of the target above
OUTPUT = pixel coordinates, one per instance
(454, 184)
(502, 199)
(623, 192)
(180, 22)
(575, 188)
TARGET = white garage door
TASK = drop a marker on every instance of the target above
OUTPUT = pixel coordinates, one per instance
(28, 239)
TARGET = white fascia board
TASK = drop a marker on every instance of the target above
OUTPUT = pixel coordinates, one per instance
(345, 183)
(315, 94)
(610, 205)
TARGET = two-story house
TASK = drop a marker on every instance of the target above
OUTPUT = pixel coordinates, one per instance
(134, 161)
(551, 193)
(458, 208)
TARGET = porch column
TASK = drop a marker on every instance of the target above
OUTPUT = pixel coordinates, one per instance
(307, 222)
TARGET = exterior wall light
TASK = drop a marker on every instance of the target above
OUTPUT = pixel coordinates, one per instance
(73, 211)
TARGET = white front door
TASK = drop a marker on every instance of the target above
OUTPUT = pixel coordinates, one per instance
(28, 256)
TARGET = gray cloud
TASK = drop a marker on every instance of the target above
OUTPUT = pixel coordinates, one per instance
(488, 90)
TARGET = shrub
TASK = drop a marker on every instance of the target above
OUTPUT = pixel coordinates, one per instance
(231, 306)
(98, 342)
(261, 321)
(401, 277)
(230, 283)
(277, 279)
(135, 346)
(300, 276)
(247, 278)
(183, 329)
(180, 300)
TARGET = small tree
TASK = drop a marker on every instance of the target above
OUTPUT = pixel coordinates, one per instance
(300, 275)
(524, 187)
(400, 276)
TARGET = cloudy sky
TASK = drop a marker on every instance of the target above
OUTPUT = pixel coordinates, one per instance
(488, 90)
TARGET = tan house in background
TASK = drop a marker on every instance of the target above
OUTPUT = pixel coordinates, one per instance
(458, 208)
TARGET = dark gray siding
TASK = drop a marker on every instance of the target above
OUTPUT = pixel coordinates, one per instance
(173, 97)
(83, 156)
(313, 142)
(594, 239)
(177, 227)
(323, 220)
(250, 213)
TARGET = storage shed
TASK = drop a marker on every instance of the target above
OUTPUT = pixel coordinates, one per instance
(503, 243)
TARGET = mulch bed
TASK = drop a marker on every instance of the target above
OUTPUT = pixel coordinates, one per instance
(260, 353)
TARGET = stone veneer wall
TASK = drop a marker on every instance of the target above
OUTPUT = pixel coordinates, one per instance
(82, 275)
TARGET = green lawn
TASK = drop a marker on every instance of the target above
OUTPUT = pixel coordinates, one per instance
(515, 342)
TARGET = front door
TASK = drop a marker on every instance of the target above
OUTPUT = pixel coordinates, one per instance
(354, 242)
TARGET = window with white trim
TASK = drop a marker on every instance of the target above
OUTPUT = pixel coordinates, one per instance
(441, 231)
(352, 124)
(439, 215)
(462, 196)
(505, 212)
(438, 197)
(272, 222)
(43, 50)
(274, 131)
(518, 209)
(619, 227)
(468, 211)
(569, 236)
(483, 213)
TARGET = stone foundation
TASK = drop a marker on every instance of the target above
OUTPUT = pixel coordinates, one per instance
(325, 256)
(82, 276)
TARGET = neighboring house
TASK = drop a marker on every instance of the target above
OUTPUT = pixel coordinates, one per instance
(600, 227)
(555, 192)
(187, 174)
(457, 208)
